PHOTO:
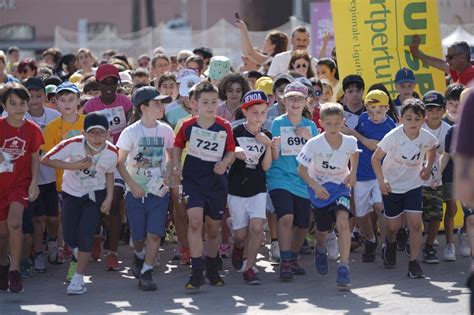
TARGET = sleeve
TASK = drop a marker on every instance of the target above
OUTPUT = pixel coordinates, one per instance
(49, 137)
(125, 142)
(180, 139)
(275, 66)
(37, 139)
(229, 141)
(353, 145)
(447, 141)
(61, 151)
(386, 144)
(433, 140)
(169, 138)
(306, 154)
(113, 166)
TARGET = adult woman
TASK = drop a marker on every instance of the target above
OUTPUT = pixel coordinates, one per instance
(301, 62)
(327, 69)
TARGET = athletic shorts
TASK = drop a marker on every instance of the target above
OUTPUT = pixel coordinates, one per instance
(286, 203)
(396, 204)
(270, 207)
(27, 225)
(448, 191)
(242, 209)
(326, 217)
(147, 215)
(47, 203)
(432, 204)
(18, 194)
(366, 194)
(212, 201)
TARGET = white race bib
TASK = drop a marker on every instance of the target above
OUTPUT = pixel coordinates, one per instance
(351, 120)
(291, 144)
(253, 149)
(156, 186)
(116, 118)
(207, 145)
(7, 166)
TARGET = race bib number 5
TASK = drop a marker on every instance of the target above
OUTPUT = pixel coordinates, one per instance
(116, 118)
(207, 145)
(291, 144)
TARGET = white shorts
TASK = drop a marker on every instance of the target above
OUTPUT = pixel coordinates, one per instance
(270, 207)
(118, 180)
(242, 209)
(366, 194)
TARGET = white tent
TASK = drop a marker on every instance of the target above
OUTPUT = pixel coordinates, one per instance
(459, 34)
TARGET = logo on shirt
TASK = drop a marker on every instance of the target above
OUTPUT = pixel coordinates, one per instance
(15, 147)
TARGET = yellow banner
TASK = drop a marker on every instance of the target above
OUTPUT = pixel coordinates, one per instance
(373, 38)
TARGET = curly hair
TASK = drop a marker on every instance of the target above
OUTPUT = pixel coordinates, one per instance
(230, 79)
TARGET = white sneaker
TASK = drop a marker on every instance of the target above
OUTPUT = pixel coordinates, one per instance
(40, 262)
(464, 247)
(53, 252)
(449, 252)
(244, 267)
(436, 242)
(274, 251)
(332, 246)
(76, 287)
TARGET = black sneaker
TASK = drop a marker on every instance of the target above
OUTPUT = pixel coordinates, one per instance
(389, 254)
(368, 256)
(414, 270)
(296, 269)
(402, 239)
(196, 280)
(212, 274)
(137, 266)
(146, 281)
(430, 255)
(305, 249)
(285, 271)
(237, 257)
(470, 285)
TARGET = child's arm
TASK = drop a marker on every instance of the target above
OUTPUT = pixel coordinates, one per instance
(377, 166)
(169, 176)
(137, 190)
(83, 164)
(320, 191)
(33, 190)
(275, 147)
(107, 203)
(370, 144)
(430, 157)
(444, 161)
(177, 153)
(351, 179)
(221, 167)
(267, 158)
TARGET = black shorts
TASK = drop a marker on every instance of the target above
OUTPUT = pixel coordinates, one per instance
(212, 201)
(326, 217)
(286, 203)
(397, 204)
(47, 203)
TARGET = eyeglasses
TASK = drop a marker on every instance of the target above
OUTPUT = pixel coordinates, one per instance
(449, 57)
(304, 65)
(318, 93)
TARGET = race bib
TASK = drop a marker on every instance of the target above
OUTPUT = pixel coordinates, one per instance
(156, 186)
(116, 118)
(291, 144)
(338, 160)
(207, 145)
(351, 120)
(7, 166)
(253, 149)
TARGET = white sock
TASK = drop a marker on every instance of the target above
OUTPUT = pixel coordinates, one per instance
(141, 254)
(78, 276)
(75, 253)
(146, 267)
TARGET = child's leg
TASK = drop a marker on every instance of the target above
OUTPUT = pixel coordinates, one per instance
(15, 215)
(195, 226)
(432, 211)
(113, 219)
(38, 222)
(392, 227)
(240, 236)
(212, 241)
(152, 246)
(343, 228)
(379, 209)
(414, 222)
(254, 239)
(272, 225)
(284, 228)
(180, 218)
(451, 210)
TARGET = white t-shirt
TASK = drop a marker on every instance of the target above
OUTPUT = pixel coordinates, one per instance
(281, 62)
(146, 150)
(81, 182)
(403, 163)
(324, 163)
(440, 134)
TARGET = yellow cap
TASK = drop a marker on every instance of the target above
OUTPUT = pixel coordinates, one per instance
(376, 98)
(265, 84)
(75, 78)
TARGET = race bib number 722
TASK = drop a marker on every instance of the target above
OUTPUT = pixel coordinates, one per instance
(207, 145)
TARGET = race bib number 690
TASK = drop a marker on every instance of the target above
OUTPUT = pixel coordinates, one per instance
(207, 145)
(291, 144)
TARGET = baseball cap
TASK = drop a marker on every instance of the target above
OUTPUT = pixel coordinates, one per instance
(106, 70)
(352, 78)
(376, 98)
(404, 75)
(296, 88)
(219, 67)
(254, 97)
(146, 93)
(283, 77)
(434, 98)
(187, 83)
(184, 73)
(50, 89)
(204, 52)
(264, 84)
(68, 86)
(95, 120)
(34, 83)
(306, 82)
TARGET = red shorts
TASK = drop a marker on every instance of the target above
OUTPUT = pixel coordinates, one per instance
(18, 194)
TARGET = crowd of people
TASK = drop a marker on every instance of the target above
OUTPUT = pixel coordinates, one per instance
(95, 151)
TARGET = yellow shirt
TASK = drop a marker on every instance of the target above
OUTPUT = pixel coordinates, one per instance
(56, 131)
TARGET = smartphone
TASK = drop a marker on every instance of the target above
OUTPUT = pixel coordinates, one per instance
(173, 59)
(237, 16)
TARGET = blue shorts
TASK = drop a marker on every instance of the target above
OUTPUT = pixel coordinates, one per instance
(147, 215)
(326, 217)
(396, 204)
(212, 201)
(287, 203)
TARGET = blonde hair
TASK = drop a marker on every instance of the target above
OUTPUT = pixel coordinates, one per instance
(87, 51)
(331, 109)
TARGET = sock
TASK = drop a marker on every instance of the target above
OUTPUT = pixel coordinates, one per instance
(196, 263)
(343, 264)
(321, 250)
(373, 239)
(274, 240)
(140, 255)
(294, 255)
(145, 268)
(285, 255)
(75, 252)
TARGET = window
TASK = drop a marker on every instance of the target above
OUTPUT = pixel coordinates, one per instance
(17, 32)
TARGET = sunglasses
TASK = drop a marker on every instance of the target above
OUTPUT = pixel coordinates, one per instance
(297, 66)
(449, 57)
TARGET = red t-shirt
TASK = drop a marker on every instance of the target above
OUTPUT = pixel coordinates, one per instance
(464, 77)
(316, 117)
(19, 143)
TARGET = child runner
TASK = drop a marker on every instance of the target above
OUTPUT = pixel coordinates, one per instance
(287, 190)
(19, 172)
(211, 150)
(145, 149)
(405, 83)
(401, 178)
(117, 108)
(247, 182)
(89, 162)
(432, 189)
(324, 167)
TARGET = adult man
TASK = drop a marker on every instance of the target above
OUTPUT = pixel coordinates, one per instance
(299, 40)
(457, 64)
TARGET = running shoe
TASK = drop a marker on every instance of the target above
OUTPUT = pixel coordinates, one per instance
(332, 246)
(237, 257)
(77, 286)
(15, 284)
(414, 270)
(449, 253)
(343, 281)
(112, 262)
(145, 282)
(251, 278)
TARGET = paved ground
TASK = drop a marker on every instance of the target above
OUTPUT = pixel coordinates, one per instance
(375, 290)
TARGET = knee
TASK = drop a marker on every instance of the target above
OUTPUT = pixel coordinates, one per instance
(256, 228)
(195, 225)
(212, 233)
(342, 225)
(415, 227)
(153, 238)
(14, 225)
(286, 221)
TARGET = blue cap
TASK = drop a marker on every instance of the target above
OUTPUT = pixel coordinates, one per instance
(67, 86)
(254, 97)
(147, 93)
(405, 75)
(434, 98)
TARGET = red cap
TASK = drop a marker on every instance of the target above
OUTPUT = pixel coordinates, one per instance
(105, 71)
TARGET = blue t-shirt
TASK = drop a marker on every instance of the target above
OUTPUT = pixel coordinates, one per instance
(283, 174)
(373, 131)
